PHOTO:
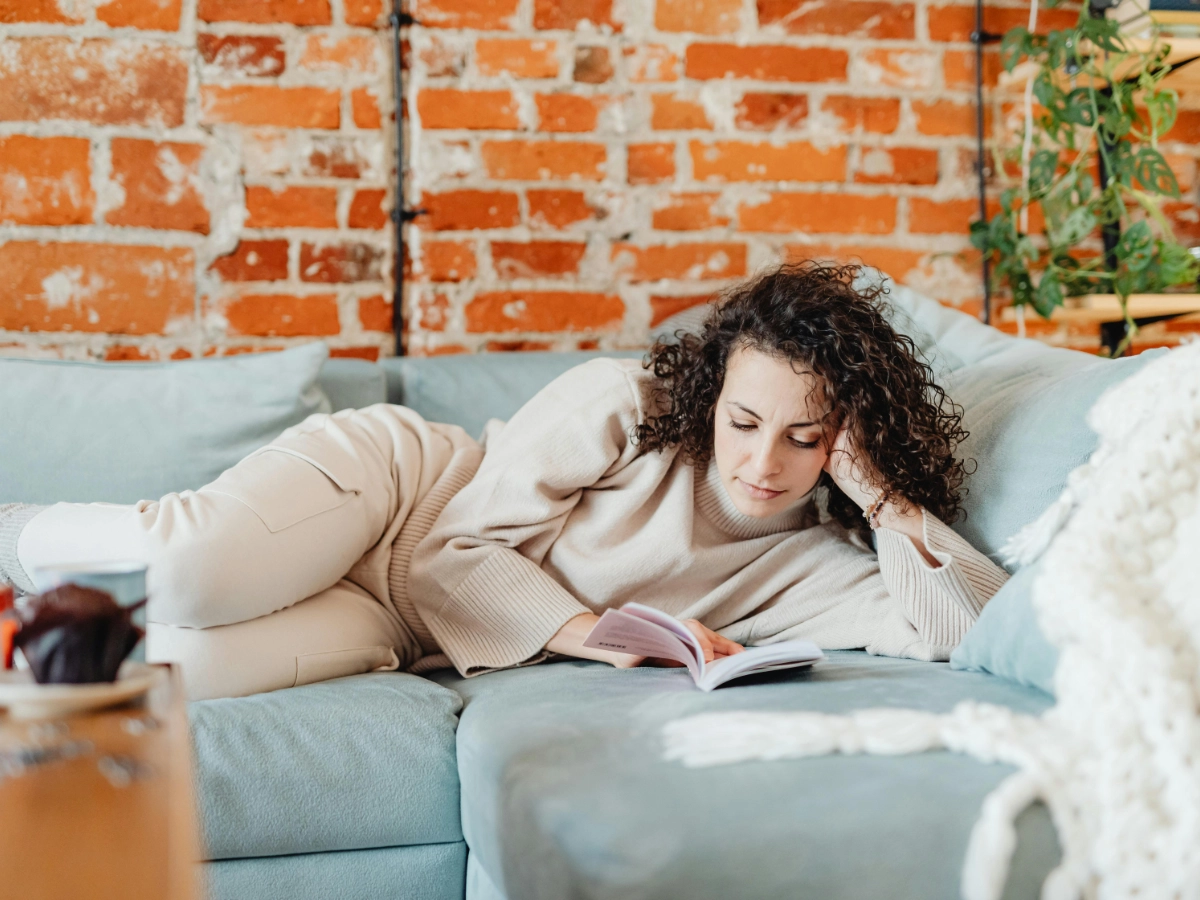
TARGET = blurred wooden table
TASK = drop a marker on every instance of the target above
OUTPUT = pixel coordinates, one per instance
(113, 816)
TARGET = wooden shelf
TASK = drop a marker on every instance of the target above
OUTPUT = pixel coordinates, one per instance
(1182, 49)
(1184, 80)
(1098, 308)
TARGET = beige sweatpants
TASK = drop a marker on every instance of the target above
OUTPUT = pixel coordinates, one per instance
(275, 574)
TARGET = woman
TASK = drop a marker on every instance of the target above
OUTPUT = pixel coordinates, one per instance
(372, 539)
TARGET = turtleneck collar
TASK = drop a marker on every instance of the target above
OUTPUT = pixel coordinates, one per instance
(714, 503)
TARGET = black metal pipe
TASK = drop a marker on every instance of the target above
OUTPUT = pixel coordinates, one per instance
(979, 37)
(398, 19)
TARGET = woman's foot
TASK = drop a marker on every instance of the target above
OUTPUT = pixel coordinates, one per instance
(13, 517)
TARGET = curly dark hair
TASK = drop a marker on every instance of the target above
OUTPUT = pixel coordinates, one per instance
(873, 380)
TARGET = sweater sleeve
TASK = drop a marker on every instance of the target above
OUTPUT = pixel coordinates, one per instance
(940, 603)
(477, 580)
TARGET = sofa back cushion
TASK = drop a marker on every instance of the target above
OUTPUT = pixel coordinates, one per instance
(468, 389)
(352, 383)
(1024, 405)
(123, 432)
(1026, 416)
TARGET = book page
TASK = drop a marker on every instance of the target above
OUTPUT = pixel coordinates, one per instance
(643, 631)
(669, 622)
(753, 660)
(624, 633)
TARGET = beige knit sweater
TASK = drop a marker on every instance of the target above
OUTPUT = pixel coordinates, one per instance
(565, 516)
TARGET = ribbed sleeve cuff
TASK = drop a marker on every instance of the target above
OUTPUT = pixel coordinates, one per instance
(941, 603)
(502, 615)
(983, 575)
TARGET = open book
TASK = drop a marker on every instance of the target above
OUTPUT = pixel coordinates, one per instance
(643, 631)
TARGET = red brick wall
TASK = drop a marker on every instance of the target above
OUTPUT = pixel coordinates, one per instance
(183, 177)
(186, 177)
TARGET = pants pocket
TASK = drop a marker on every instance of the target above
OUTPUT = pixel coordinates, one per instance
(315, 667)
(284, 488)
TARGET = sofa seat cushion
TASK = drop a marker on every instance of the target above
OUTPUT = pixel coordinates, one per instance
(349, 764)
(424, 872)
(566, 794)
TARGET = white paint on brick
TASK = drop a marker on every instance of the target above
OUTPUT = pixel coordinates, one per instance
(442, 159)
(716, 262)
(110, 193)
(236, 62)
(266, 153)
(945, 275)
(364, 152)
(718, 99)
(70, 286)
(914, 69)
(75, 9)
(876, 162)
(180, 326)
(180, 179)
(223, 192)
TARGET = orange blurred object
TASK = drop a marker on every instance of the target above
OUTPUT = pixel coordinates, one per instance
(8, 624)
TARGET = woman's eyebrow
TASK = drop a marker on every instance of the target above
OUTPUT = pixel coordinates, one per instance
(751, 412)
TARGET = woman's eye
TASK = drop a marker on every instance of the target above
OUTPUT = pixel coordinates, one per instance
(806, 445)
(742, 427)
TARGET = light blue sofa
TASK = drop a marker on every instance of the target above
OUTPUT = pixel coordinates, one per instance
(548, 782)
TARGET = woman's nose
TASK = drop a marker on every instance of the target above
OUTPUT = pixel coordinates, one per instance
(766, 459)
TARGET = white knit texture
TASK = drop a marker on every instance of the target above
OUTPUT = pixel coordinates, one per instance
(1117, 760)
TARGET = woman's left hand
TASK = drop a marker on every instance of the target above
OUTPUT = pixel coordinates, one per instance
(850, 470)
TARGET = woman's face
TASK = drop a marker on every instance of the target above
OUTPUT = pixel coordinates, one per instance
(768, 437)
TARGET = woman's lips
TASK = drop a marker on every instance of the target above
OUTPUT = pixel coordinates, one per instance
(758, 493)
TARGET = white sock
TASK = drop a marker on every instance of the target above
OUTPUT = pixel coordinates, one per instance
(13, 518)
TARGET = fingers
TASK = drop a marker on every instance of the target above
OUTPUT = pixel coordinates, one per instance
(724, 646)
(838, 456)
(713, 644)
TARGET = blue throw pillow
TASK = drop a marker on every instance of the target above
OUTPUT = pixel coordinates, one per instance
(123, 432)
(1028, 432)
(1026, 411)
(1006, 641)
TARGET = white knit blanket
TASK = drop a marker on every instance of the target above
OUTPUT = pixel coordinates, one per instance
(1117, 760)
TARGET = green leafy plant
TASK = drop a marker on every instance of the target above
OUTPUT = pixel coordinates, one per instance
(1092, 163)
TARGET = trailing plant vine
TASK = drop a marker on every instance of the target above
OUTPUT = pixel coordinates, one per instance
(1094, 169)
